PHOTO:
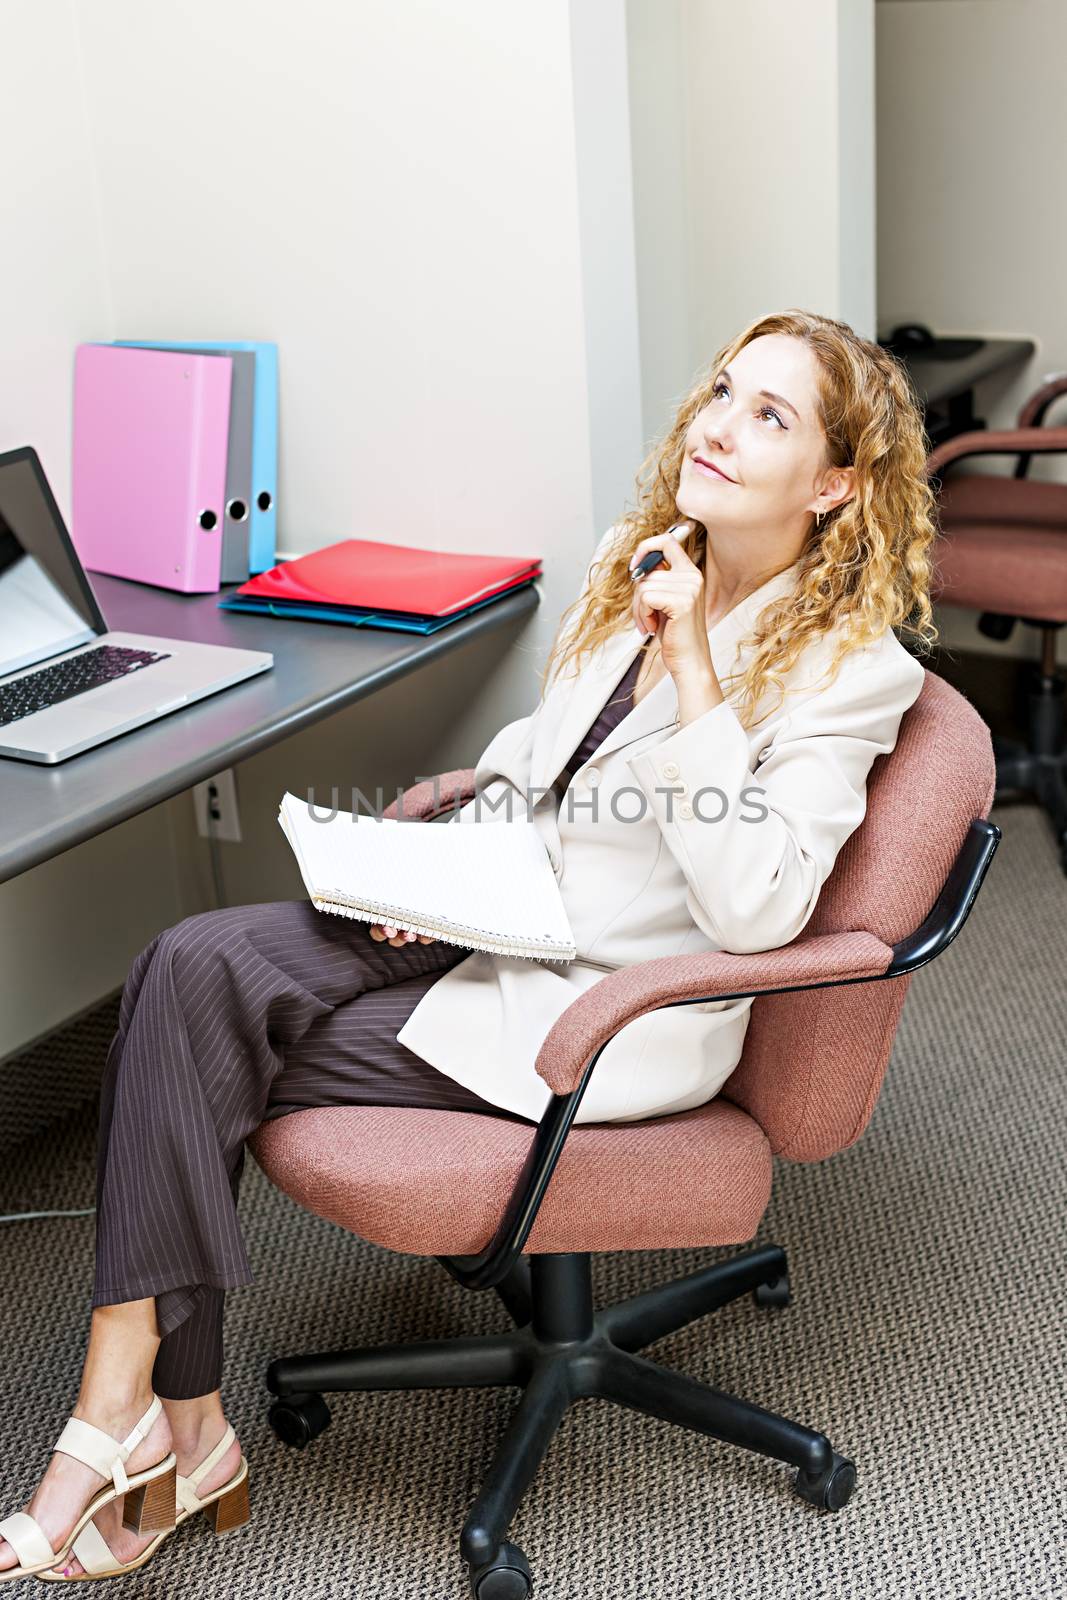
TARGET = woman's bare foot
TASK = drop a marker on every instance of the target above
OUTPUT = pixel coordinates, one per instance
(189, 1453)
(68, 1484)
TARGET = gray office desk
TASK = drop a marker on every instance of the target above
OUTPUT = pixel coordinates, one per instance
(318, 669)
(937, 380)
(945, 387)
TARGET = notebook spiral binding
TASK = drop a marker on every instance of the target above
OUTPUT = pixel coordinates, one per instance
(442, 928)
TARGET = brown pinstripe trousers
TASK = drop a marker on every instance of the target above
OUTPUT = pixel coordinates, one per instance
(230, 1019)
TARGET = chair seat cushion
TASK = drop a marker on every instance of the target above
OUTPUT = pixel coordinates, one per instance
(436, 1182)
(1003, 546)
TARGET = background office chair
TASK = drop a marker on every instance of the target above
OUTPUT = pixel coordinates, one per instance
(477, 1191)
(1003, 552)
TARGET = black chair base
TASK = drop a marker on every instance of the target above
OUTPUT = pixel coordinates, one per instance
(1038, 767)
(562, 1351)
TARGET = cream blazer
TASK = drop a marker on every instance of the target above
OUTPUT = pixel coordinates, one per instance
(669, 840)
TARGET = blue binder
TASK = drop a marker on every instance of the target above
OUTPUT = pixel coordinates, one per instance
(263, 532)
(356, 616)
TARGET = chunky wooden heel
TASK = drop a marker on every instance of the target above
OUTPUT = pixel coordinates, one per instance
(151, 1507)
(226, 1507)
(230, 1510)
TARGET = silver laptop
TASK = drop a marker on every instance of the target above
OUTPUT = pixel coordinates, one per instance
(66, 682)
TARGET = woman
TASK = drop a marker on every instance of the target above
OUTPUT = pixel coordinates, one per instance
(790, 507)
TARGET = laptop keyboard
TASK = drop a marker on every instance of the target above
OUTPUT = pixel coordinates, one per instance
(35, 691)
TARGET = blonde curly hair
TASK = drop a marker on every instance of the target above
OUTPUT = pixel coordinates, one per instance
(868, 567)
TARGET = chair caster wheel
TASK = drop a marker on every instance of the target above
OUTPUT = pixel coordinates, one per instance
(506, 1577)
(829, 1490)
(775, 1293)
(299, 1418)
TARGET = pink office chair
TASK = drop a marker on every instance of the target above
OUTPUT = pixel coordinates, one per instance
(1003, 552)
(519, 1210)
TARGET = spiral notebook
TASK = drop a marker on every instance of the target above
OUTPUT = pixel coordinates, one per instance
(485, 886)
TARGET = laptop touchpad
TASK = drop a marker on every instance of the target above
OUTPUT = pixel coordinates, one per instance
(141, 691)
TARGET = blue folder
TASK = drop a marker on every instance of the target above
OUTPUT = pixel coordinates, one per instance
(263, 532)
(407, 622)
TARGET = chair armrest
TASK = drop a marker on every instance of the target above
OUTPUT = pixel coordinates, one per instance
(428, 799)
(808, 963)
(629, 992)
(1032, 414)
(995, 442)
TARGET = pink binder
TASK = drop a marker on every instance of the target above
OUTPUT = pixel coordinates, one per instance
(149, 467)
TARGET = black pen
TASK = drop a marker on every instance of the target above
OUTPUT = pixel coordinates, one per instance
(648, 563)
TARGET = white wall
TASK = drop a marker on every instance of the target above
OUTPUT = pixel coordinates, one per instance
(972, 229)
(391, 192)
(753, 172)
(53, 268)
(420, 204)
(662, 209)
(54, 290)
(600, 61)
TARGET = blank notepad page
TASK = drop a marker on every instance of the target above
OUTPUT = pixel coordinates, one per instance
(487, 885)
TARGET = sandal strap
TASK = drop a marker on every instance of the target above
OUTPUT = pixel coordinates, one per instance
(93, 1550)
(27, 1538)
(97, 1449)
(143, 1427)
(186, 1487)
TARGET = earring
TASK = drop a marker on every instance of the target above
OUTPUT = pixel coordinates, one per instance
(818, 519)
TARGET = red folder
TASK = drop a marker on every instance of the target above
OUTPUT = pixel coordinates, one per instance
(392, 577)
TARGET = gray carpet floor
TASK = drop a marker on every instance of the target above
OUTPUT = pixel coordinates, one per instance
(926, 1337)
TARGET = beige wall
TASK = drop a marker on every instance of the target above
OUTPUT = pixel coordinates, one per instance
(779, 144)
(753, 156)
(972, 228)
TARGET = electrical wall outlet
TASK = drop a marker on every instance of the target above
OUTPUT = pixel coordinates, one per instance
(215, 801)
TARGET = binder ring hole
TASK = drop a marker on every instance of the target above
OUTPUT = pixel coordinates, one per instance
(263, 500)
(207, 520)
(237, 511)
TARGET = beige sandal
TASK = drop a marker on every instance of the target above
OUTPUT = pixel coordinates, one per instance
(98, 1558)
(226, 1508)
(150, 1495)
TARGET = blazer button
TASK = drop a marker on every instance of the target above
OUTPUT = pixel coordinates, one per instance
(670, 769)
(685, 810)
(592, 777)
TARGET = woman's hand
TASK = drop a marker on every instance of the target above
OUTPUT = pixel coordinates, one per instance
(671, 601)
(397, 936)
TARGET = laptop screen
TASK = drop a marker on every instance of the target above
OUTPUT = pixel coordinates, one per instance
(44, 607)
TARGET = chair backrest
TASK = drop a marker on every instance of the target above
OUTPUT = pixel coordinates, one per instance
(814, 1061)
